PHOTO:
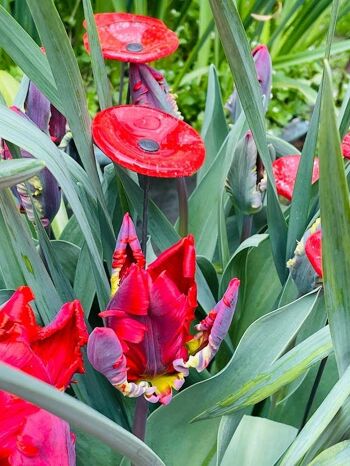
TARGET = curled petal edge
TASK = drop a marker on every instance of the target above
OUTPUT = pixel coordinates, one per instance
(212, 331)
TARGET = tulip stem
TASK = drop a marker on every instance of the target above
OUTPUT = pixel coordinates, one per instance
(146, 186)
(183, 206)
(246, 227)
(121, 82)
(140, 418)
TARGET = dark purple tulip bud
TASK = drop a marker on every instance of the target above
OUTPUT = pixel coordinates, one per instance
(246, 178)
(46, 117)
(42, 188)
(263, 66)
(148, 87)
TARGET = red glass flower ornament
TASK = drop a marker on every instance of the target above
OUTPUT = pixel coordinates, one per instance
(313, 250)
(345, 146)
(133, 38)
(28, 434)
(146, 347)
(285, 171)
(148, 141)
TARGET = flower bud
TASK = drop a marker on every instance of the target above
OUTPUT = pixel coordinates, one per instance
(245, 178)
(263, 66)
(148, 87)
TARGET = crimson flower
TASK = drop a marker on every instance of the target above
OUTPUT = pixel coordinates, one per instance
(148, 141)
(146, 347)
(133, 38)
(30, 435)
(313, 250)
(285, 171)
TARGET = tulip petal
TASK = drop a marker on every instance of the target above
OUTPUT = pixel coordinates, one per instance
(127, 251)
(31, 436)
(105, 353)
(59, 344)
(37, 108)
(313, 250)
(179, 261)
(132, 296)
(18, 310)
(285, 171)
(213, 330)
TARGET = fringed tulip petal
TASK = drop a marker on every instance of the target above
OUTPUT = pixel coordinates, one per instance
(18, 310)
(59, 344)
(213, 330)
(30, 435)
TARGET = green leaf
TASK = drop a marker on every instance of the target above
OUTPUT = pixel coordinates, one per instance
(337, 455)
(263, 343)
(78, 414)
(68, 80)
(286, 369)
(26, 135)
(258, 441)
(13, 172)
(335, 214)
(97, 61)
(89, 450)
(67, 255)
(281, 81)
(203, 222)
(307, 56)
(259, 290)
(11, 273)
(214, 130)
(319, 421)
(28, 56)
(31, 266)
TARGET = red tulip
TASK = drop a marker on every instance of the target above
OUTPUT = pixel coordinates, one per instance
(133, 38)
(313, 250)
(30, 435)
(148, 141)
(345, 146)
(146, 347)
(285, 171)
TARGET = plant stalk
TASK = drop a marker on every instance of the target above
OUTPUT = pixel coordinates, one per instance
(183, 205)
(246, 227)
(121, 82)
(146, 187)
(140, 418)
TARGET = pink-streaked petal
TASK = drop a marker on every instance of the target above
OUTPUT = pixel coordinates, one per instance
(106, 356)
(313, 250)
(59, 344)
(213, 330)
(127, 251)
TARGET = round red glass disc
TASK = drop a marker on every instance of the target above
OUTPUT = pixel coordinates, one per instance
(148, 141)
(285, 171)
(313, 250)
(133, 38)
